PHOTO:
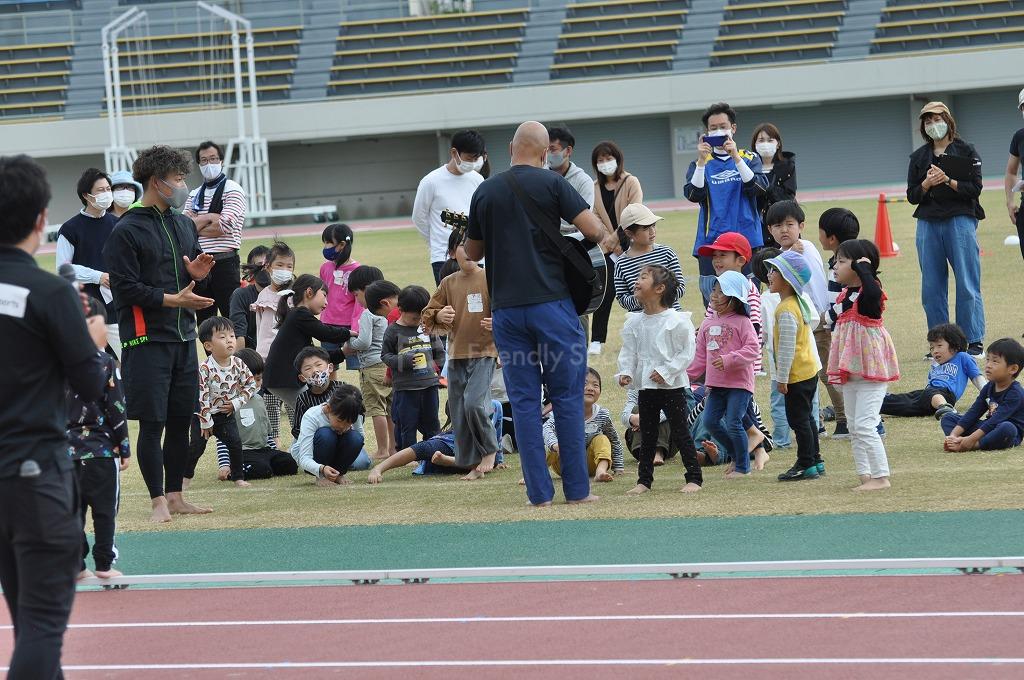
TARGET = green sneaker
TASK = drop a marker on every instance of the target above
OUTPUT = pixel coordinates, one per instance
(821, 468)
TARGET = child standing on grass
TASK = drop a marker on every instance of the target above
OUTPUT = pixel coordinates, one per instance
(862, 358)
(414, 358)
(343, 309)
(225, 385)
(657, 346)
(461, 308)
(604, 450)
(98, 443)
(1001, 402)
(731, 253)
(280, 267)
(727, 346)
(794, 360)
(638, 223)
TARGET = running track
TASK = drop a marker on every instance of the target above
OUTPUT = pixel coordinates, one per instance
(820, 627)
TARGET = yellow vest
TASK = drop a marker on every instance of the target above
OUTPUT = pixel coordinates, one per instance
(804, 364)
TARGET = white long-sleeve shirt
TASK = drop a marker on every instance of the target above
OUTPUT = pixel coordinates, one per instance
(441, 190)
(302, 450)
(664, 342)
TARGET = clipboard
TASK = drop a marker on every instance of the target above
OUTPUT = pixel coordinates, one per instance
(960, 168)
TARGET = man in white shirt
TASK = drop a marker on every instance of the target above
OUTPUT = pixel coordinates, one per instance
(449, 187)
(560, 152)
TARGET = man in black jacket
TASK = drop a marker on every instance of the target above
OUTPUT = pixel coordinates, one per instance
(46, 344)
(154, 262)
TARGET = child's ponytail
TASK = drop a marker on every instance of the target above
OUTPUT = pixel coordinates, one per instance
(292, 297)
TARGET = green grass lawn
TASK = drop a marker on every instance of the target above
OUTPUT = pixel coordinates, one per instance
(924, 478)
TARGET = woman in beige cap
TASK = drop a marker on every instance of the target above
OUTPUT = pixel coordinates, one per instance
(944, 182)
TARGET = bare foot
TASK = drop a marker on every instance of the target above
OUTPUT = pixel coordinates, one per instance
(242, 483)
(380, 455)
(85, 573)
(223, 473)
(603, 477)
(343, 480)
(501, 466)
(325, 483)
(874, 485)
(161, 513)
(545, 504)
(637, 490)
(473, 475)
(109, 573)
(690, 488)
(864, 478)
(375, 477)
(710, 451)
(486, 463)
(522, 481)
(734, 474)
(659, 459)
(761, 458)
(440, 459)
(185, 483)
(179, 506)
(589, 499)
(730, 467)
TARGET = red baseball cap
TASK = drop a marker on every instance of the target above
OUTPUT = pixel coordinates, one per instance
(730, 241)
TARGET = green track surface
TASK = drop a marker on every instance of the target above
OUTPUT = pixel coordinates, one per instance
(862, 536)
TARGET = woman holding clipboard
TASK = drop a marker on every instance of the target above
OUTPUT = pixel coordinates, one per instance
(944, 182)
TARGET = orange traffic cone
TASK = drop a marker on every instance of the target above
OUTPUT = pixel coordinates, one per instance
(883, 232)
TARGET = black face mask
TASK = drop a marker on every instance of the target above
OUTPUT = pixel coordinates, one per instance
(262, 278)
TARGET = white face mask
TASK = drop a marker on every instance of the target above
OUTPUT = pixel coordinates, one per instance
(608, 168)
(767, 149)
(210, 171)
(124, 197)
(281, 276)
(479, 164)
(936, 131)
(103, 200)
(465, 167)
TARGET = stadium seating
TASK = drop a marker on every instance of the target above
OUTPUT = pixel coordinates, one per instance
(34, 79)
(427, 52)
(619, 37)
(909, 26)
(185, 70)
(775, 31)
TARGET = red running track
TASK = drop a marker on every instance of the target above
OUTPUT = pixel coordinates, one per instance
(824, 627)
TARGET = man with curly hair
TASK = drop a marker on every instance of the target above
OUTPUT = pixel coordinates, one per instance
(154, 261)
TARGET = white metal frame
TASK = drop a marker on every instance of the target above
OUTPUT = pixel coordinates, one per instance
(966, 565)
(117, 156)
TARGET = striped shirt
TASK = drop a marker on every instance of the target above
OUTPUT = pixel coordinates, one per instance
(232, 216)
(834, 289)
(599, 423)
(754, 302)
(627, 271)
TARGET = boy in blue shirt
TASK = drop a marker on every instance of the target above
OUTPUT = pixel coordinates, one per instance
(951, 368)
(1001, 402)
(726, 181)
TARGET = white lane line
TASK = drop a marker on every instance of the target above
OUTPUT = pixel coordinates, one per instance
(459, 663)
(546, 619)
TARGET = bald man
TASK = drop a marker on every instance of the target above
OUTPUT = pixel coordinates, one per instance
(538, 335)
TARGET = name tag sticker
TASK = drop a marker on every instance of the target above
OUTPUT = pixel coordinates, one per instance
(712, 345)
(339, 277)
(475, 303)
(715, 330)
(247, 416)
(13, 300)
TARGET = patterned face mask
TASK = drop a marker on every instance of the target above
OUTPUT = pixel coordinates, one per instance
(318, 379)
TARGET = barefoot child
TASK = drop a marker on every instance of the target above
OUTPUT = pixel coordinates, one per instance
(794, 361)
(665, 450)
(378, 297)
(1001, 402)
(727, 346)
(461, 308)
(225, 384)
(328, 442)
(604, 450)
(98, 443)
(862, 359)
(657, 346)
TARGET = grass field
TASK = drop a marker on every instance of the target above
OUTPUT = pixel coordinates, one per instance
(924, 478)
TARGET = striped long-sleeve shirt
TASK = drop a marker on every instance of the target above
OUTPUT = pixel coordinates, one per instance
(599, 423)
(232, 216)
(627, 271)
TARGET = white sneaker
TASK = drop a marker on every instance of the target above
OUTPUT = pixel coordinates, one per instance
(595, 348)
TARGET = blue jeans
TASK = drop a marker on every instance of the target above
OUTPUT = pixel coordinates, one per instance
(343, 452)
(545, 344)
(1003, 436)
(723, 416)
(952, 241)
(413, 410)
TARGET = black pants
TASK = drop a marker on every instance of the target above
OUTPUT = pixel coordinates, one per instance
(803, 421)
(266, 463)
(196, 447)
(225, 428)
(99, 488)
(599, 320)
(163, 465)
(224, 280)
(672, 403)
(413, 410)
(914, 404)
(1020, 230)
(40, 555)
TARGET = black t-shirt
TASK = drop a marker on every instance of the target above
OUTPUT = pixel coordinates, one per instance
(523, 266)
(46, 346)
(1017, 144)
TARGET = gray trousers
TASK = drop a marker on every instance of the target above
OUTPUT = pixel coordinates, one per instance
(469, 405)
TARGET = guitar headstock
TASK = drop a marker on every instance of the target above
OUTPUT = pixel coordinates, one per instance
(459, 222)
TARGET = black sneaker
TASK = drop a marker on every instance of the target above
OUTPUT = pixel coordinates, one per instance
(941, 412)
(975, 349)
(797, 473)
(841, 431)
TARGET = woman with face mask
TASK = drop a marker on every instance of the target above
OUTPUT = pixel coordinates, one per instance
(779, 167)
(947, 215)
(125, 191)
(80, 243)
(614, 189)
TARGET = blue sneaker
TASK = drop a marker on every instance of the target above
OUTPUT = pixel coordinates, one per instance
(881, 429)
(821, 468)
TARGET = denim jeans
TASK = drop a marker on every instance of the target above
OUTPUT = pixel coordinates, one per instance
(953, 241)
(343, 452)
(723, 416)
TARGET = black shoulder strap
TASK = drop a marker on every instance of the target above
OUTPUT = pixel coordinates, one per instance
(548, 228)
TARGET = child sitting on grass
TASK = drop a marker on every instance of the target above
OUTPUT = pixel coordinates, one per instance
(604, 450)
(657, 346)
(328, 442)
(98, 443)
(1001, 402)
(225, 384)
(951, 368)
